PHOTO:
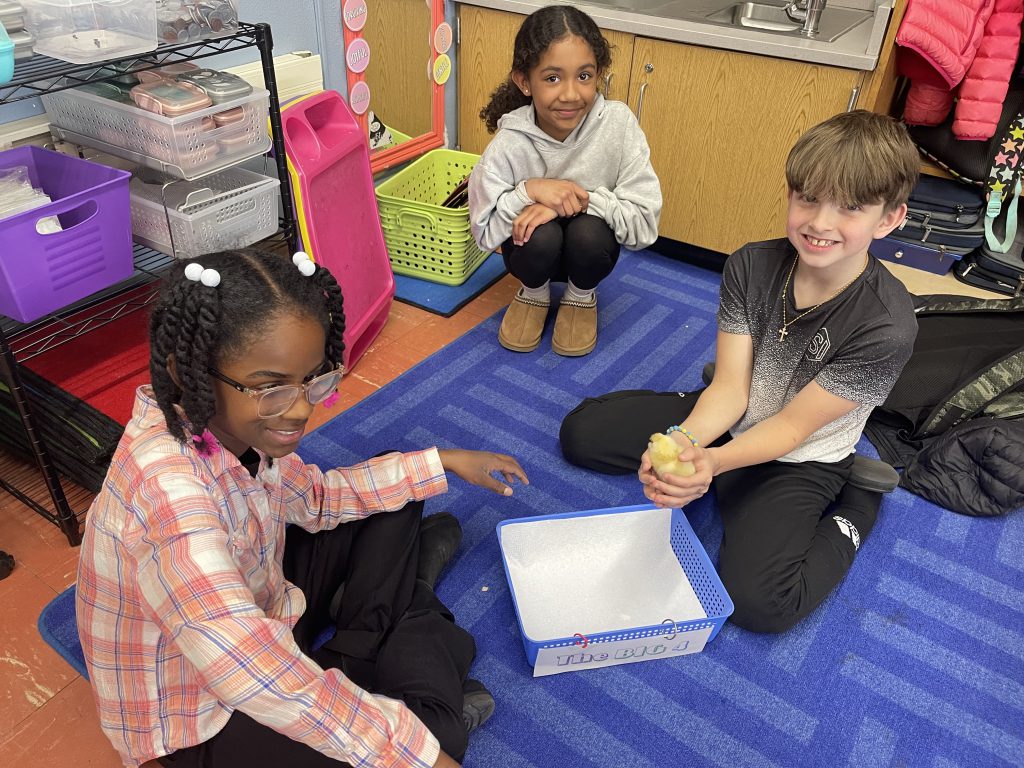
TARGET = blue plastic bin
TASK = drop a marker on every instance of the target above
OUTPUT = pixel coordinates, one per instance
(692, 559)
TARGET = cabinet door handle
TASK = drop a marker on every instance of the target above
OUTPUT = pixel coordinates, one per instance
(640, 100)
(608, 84)
(853, 98)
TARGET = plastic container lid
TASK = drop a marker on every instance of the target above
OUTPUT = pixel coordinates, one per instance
(12, 16)
(219, 86)
(23, 42)
(108, 90)
(169, 98)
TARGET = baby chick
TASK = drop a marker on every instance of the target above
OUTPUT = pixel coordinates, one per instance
(664, 453)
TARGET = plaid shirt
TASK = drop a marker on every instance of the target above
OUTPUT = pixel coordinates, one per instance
(184, 612)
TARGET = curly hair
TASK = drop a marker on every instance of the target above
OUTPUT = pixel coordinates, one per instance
(540, 29)
(201, 327)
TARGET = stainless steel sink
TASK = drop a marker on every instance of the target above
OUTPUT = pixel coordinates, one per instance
(833, 23)
(672, 9)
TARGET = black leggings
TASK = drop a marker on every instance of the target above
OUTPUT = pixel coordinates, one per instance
(582, 249)
(395, 638)
(780, 558)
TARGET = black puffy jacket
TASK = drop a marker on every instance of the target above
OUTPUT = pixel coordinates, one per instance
(976, 468)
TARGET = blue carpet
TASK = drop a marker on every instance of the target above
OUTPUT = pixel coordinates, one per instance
(914, 661)
(446, 300)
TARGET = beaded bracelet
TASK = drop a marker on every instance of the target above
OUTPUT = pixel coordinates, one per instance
(686, 433)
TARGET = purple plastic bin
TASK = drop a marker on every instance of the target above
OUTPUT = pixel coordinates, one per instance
(40, 273)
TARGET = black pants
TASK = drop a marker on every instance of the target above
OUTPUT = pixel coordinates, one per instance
(582, 249)
(779, 557)
(395, 638)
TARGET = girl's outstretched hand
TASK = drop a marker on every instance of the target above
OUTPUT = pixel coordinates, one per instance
(564, 197)
(481, 467)
(561, 196)
(673, 491)
(527, 221)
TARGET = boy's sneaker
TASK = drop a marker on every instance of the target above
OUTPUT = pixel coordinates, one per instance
(477, 704)
(873, 475)
(440, 536)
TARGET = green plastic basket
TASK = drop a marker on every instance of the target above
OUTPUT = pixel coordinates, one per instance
(451, 264)
(425, 239)
(421, 187)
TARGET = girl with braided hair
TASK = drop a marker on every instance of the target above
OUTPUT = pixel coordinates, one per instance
(213, 558)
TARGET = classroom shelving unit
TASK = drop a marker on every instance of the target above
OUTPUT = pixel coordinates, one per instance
(20, 342)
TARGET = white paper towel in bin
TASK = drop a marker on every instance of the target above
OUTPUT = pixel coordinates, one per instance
(597, 573)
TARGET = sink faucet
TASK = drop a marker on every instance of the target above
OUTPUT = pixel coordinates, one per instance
(807, 11)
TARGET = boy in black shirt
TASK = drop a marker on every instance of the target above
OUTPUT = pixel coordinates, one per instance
(812, 334)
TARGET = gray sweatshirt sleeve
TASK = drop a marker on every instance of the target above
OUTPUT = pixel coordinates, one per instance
(493, 206)
(633, 208)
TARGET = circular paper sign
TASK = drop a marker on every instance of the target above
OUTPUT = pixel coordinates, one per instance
(442, 69)
(359, 98)
(357, 57)
(443, 37)
(354, 13)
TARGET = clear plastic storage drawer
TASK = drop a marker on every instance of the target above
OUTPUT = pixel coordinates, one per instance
(186, 146)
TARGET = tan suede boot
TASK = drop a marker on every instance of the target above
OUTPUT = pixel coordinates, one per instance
(575, 327)
(523, 324)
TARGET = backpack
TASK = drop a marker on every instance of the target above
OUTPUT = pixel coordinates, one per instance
(970, 162)
(995, 270)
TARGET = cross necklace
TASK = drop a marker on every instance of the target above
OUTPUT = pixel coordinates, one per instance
(783, 331)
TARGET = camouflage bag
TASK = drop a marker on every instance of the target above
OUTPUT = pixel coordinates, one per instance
(968, 362)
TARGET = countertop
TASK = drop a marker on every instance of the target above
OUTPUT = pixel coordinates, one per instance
(857, 49)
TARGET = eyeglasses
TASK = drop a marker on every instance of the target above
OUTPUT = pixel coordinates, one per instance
(275, 401)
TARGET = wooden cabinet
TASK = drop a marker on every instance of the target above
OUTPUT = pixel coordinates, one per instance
(486, 39)
(719, 123)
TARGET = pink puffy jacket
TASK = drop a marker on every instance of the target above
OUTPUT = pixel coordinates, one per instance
(967, 43)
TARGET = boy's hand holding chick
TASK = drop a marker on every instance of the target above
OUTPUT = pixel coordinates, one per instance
(673, 473)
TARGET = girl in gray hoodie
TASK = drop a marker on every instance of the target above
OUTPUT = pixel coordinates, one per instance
(566, 181)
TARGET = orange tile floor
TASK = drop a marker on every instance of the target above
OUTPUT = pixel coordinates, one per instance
(47, 718)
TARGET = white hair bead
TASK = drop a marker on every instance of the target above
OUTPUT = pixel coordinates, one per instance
(210, 278)
(300, 256)
(307, 267)
(193, 271)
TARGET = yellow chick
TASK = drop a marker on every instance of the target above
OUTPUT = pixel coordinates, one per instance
(664, 453)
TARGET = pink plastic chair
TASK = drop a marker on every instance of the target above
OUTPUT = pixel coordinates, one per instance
(329, 163)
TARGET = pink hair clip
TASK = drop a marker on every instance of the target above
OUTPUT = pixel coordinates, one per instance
(206, 444)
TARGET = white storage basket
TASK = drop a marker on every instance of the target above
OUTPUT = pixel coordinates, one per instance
(186, 146)
(230, 209)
